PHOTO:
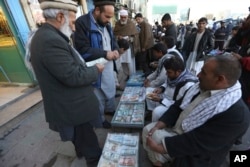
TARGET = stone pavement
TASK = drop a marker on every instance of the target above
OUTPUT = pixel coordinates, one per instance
(32, 144)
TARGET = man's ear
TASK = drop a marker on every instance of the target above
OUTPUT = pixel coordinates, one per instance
(97, 10)
(178, 72)
(60, 17)
(222, 79)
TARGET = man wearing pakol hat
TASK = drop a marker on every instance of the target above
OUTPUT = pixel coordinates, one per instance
(94, 39)
(65, 81)
(126, 29)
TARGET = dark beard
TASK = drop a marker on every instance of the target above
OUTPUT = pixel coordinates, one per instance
(100, 23)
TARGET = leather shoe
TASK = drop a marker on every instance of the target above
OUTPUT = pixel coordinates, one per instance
(110, 113)
(127, 78)
(92, 162)
(117, 95)
(106, 124)
(119, 88)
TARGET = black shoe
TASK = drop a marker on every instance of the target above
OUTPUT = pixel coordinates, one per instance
(127, 78)
(117, 95)
(92, 162)
(148, 116)
(119, 88)
(79, 154)
(110, 113)
(106, 124)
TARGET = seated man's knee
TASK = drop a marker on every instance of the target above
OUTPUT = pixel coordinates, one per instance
(156, 114)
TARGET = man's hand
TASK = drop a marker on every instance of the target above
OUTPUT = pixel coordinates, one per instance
(146, 83)
(154, 146)
(155, 97)
(150, 133)
(158, 90)
(154, 64)
(112, 55)
(100, 67)
(116, 54)
(237, 55)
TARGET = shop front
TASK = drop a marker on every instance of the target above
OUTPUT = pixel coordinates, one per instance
(13, 36)
(17, 19)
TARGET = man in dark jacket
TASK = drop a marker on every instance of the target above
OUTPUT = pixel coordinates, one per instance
(169, 25)
(243, 40)
(94, 39)
(69, 101)
(200, 129)
(146, 38)
(220, 36)
(197, 46)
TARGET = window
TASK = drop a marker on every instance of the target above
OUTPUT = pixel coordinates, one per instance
(6, 36)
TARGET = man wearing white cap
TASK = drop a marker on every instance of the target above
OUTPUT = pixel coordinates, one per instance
(65, 81)
(126, 29)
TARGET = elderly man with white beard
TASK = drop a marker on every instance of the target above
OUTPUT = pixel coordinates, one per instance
(126, 29)
(65, 80)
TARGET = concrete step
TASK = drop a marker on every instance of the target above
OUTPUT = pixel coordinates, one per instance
(13, 112)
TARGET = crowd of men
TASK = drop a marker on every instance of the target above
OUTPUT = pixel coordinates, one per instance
(201, 102)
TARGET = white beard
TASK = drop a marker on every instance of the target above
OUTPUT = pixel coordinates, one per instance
(123, 22)
(65, 28)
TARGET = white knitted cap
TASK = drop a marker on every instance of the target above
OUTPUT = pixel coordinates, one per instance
(123, 12)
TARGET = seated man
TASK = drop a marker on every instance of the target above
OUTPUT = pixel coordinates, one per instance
(169, 42)
(160, 51)
(158, 77)
(178, 81)
(204, 125)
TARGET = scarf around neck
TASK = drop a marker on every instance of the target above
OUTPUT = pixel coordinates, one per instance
(186, 74)
(217, 103)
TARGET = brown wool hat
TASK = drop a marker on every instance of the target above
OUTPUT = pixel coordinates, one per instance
(104, 2)
(59, 4)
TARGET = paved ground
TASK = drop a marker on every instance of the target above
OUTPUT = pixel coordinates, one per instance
(32, 144)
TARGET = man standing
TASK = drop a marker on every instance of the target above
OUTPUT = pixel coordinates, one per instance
(243, 40)
(94, 39)
(65, 80)
(197, 46)
(146, 43)
(220, 36)
(199, 129)
(126, 29)
(169, 25)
